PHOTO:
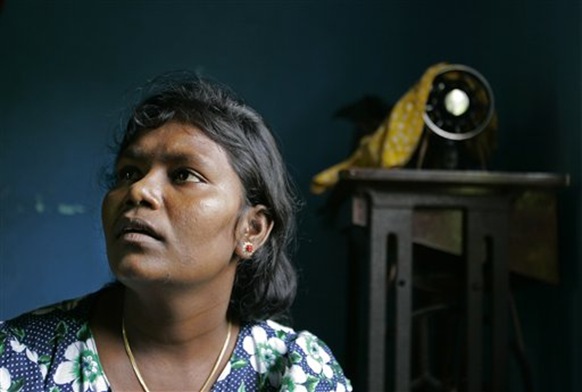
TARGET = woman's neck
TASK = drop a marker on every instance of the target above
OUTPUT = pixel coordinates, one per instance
(174, 316)
(175, 340)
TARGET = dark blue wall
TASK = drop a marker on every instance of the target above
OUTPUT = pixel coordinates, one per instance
(68, 67)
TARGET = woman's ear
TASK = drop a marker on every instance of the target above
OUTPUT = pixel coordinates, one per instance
(255, 228)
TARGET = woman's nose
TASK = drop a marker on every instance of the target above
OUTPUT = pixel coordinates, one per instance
(146, 192)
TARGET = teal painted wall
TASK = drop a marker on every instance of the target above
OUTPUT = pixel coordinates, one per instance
(68, 67)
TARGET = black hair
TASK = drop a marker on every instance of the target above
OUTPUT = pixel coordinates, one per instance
(265, 285)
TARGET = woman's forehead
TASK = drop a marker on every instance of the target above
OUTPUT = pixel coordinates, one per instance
(176, 142)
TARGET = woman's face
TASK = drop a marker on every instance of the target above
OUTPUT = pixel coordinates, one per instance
(173, 214)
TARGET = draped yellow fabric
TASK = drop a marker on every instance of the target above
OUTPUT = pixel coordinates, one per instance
(395, 140)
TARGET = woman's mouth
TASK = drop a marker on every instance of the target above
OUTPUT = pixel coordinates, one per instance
(136, 230)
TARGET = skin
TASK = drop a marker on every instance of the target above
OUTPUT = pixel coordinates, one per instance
(179, 272)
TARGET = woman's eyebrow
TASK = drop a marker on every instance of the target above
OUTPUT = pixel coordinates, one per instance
(138, 154)
(133, 152)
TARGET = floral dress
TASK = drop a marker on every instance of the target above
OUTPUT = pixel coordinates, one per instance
(53, 350)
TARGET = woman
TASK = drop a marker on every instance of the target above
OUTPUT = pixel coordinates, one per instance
(197, 222)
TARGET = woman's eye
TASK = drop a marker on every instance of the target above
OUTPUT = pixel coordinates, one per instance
(127, 174)
(185, 175)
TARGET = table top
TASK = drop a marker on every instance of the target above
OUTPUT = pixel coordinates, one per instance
(451, 178)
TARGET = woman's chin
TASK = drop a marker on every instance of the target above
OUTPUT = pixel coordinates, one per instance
(138, 269)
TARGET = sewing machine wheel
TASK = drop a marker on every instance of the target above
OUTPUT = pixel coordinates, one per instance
(460, 104)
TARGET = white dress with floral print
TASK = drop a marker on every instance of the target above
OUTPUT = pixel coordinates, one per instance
(52, 350)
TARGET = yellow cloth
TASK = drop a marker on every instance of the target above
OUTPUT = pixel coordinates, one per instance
(395, 140)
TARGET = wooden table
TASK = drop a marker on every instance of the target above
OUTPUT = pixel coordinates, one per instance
(384, 201)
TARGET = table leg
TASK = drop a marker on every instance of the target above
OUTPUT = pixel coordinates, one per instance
(487, 240)
(500, 291)
(398, 224)
(476, 254)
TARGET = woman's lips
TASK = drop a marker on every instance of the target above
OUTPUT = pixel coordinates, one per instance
(136, 230)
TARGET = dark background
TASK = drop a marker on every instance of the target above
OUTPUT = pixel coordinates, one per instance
(67, 68)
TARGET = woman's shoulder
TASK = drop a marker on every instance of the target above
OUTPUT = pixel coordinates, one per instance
(284, 357)
(55, 318)
(42, 330)
(271, 328)
(35, 342)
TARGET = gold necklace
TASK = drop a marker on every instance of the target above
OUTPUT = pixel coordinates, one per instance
(138, 373)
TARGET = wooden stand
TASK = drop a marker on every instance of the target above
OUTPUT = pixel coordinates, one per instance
(385, 201)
